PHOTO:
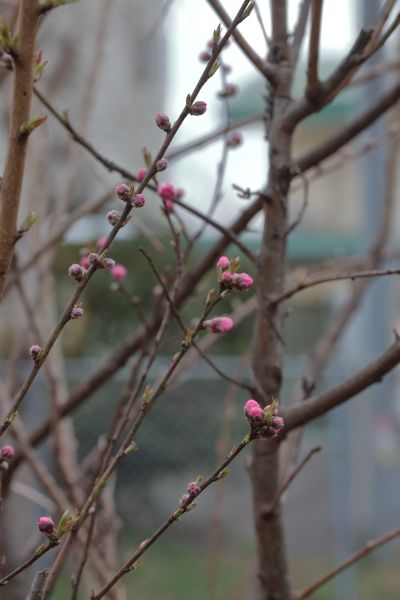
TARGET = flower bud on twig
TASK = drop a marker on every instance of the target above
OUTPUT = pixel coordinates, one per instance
(163, 122)
(219, 324)
(198, 108)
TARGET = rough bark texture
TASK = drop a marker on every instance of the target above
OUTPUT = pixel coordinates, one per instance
(20, 114)
(272, 570)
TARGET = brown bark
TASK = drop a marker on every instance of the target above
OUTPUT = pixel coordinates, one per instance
(272, 572)
(20, 113)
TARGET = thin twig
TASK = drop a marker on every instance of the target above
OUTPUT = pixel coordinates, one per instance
(275, 502)
(185, 506)
(38, 554)
(364, 551)
(66, 315)
(303, 285)
(313, 54)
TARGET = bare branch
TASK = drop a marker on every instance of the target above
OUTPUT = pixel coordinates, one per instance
(263, 67)
(290, 478)
(11, 185)
(303, 285)
(316, 155)
(300, 30)
(313, 55)
(319, 405)
(364, 551)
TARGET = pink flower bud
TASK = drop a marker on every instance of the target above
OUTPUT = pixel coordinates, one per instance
(223, 263)
(219, 324)
(226, 69)
(226, 279)
(204, 56)
(161, 164)
(123, 192)
(108, 263)
(242, 281)
(101, 242)
(76, 272)
(183, 499)
(85, 262)
(7, 452)
(166, 190)
(77, 312)
(94, 258)
(113, 217)
(253, 412)
(118, 272)
(250, 404)
(277, 423)
(193, 488)
(138, 201)
(141, 174)
(36, 352)
(46, 525)
(163, 122)
(198, 108)
(230, 90)
(234, 140)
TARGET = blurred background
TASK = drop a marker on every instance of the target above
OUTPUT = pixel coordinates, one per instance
(113, 65)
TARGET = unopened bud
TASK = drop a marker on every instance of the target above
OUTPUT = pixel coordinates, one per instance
(198, 108)
(163, 122)
(138, 201)
(76, 272)
(161, 164)
(46, 525)
(7, 452)
(77, 312)
(113, 217)
(123, 192)
(36, 352)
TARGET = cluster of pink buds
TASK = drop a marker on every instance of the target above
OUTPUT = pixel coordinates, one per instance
(267, 421)
(36, 353)
(46, 526)
(193, 489)
(168, 192)
(229, 280)
(127, 194)
(163, 122)
(219, 324)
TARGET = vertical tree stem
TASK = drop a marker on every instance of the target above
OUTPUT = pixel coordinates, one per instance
(20, 114)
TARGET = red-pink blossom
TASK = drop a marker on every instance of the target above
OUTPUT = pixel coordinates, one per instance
(118, 272)
(7, 452)
(46, 525)
(223, 263)
(219, 324)
(166, 190)
(242, 281)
